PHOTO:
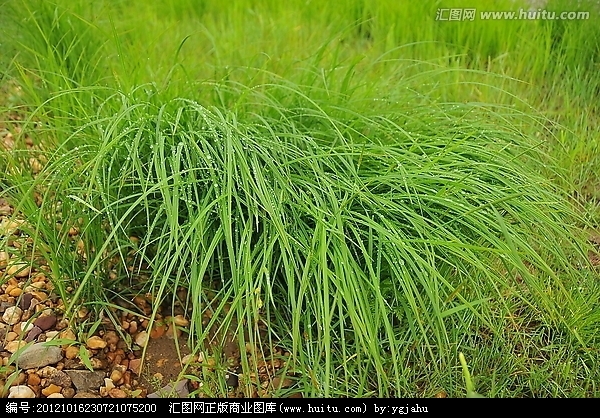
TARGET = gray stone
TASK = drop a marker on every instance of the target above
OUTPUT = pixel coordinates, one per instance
(39, 355)
(4, 306)
(85, 380)
(179, 391)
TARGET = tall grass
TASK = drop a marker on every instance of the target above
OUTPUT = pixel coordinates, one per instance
(355, 194)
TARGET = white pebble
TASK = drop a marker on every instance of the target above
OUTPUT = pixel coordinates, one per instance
(12, 315)
(21, 392)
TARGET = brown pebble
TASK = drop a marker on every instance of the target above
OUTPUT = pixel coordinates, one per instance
(117, 393)
(51, 389)
(39, 295)
(40, 277)
(33, 333)
(19, 269)
(45, 322)
(95, 343)
(40, 285)
(110, 356)
(3, 259)
(98, 364)
(83, 312)
(68, 334)
(134, 365)
(33, 380)
(180, 321)
(158, 331)
(116, 375)
(25, 301)
(15, 292)
(111, 339)
(14, 346)
(68, 392)
(71, 352)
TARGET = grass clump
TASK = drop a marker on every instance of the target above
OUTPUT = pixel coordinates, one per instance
(357, 212)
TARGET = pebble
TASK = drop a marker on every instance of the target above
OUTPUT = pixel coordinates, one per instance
(116, 375)
(86, 380)
(34, 380)
(95, 343)
(52, 388)
(45, 322)
(111, 339)
(8, 227)
(82, 313)
(12, 315)
(55, 395)
(68, 392)
(33, 334)
(135, 365)
(68, 334)
(141, 339)
(173, 332)
(71, 352)
(108, 384)
(180, 321)
(25, 302)
(14, 346)
(19, 269)
(4, 304)
(21, 391)
(3, 259)
(117, 393)
(39, 355)
(51, 334)
(23, 327)
(190, 358)
(60, 378)
(15, 292)
(157, 331)
(39, 295)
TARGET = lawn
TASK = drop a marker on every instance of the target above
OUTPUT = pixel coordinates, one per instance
(356, 186)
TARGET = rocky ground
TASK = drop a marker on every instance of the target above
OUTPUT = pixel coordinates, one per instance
(103, 364)
(45, 354)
